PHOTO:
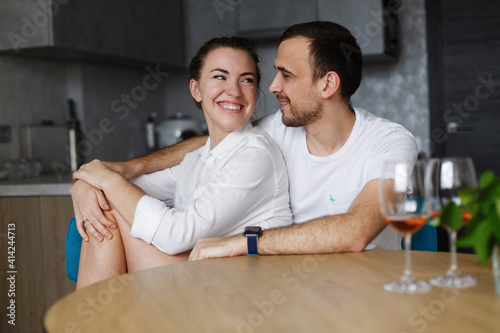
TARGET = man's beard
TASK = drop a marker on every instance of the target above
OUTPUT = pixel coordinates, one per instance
(302, 115)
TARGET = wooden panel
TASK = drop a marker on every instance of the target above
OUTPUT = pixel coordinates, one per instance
(55, 215)
(29, 300)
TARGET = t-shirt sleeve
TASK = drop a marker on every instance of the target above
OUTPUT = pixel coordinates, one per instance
(394, 144)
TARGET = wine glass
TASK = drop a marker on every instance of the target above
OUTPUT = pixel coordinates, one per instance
(444, 179)
(403, 205)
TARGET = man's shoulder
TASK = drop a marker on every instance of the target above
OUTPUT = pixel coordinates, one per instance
(372, 124)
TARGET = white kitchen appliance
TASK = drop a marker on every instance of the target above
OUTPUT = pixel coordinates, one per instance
(175, 129)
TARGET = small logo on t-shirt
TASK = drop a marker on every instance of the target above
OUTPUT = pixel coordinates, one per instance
(332, 200)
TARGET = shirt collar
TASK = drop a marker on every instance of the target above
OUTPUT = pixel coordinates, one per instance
(227, 145)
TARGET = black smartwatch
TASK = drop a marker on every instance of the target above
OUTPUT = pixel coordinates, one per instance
(252, 234)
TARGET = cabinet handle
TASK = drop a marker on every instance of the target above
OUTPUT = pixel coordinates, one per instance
(454, 127)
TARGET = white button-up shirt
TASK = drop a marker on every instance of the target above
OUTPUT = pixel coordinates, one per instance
(214, 192)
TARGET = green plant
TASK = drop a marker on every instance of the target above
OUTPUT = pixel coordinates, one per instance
(483, 202)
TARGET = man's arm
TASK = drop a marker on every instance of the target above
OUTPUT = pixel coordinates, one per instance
(349, 232)
(158, 160)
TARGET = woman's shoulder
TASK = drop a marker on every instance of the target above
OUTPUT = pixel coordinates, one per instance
(259, 146)
(259, 138)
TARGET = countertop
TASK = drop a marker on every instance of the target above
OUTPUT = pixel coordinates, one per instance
(44, 185)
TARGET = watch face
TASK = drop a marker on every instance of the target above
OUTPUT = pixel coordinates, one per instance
(252, 231)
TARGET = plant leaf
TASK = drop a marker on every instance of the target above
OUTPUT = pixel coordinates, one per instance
(486, 179)
(495, 219)
(451, 216)
(468, 196)
(489, 192)
(481, 240)
(434, 221)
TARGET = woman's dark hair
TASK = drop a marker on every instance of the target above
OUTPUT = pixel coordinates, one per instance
(238, 43)
(332, 48)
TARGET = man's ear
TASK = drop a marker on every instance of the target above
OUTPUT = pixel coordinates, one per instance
(331, 84)
(195, 90)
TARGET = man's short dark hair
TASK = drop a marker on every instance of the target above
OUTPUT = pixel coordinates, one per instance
(332, 48)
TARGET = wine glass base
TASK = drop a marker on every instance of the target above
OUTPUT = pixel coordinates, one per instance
(408, 287)
(454, 281)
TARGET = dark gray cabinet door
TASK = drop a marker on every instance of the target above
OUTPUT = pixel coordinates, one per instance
(265, 15)
(143, 30)
(464, 80)
(113, 31)
(362, 17)
(204, 20)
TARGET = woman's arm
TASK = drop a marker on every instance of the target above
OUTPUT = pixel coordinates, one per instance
(243, 191)
(121, 194)
(89, 202)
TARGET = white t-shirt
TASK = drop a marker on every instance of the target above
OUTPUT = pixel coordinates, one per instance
(323, 186)
(214, 192)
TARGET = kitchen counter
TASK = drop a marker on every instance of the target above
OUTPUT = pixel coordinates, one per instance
(45, 185)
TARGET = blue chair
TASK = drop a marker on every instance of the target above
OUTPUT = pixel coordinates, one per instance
(73, 247)
(424, 240)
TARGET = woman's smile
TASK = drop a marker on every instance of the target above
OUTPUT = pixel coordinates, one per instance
(231, 107)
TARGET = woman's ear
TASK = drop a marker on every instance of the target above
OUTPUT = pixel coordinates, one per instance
(331, 84)
(195, 90)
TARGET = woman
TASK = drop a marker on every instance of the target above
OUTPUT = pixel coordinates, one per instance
(237, 179)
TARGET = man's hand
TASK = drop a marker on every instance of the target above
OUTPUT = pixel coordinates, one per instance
(88, 203)
(206, 248)
(127, 169)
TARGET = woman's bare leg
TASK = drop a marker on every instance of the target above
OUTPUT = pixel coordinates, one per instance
(101, 260)
(121, 254)
(140, 255)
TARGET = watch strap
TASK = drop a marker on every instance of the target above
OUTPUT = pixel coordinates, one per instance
(252, 245)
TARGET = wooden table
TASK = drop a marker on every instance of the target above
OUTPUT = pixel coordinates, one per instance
(321, 293)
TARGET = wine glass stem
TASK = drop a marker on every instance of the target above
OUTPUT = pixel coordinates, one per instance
(453, 252)
(407, 271)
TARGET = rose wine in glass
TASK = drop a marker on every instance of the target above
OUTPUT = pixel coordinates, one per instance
(403, 205)
(444, 179)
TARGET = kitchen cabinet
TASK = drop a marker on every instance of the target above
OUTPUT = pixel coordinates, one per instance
(373, 22)
(39, 227)
(263, 19)
(114, 31)
(204, 20)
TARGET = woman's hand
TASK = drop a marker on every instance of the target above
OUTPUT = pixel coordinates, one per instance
(89, 204)
(95, 173)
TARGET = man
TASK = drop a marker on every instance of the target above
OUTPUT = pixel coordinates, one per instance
(333, 151)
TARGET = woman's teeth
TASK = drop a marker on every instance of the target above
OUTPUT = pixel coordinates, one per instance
(231, 107)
